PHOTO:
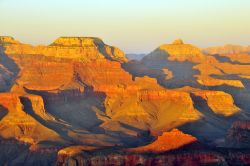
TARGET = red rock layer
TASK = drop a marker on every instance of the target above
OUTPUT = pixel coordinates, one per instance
(207, 65)
(228, 49)
(190, 159)
(17, 123)
(70, 67)
(172, 140)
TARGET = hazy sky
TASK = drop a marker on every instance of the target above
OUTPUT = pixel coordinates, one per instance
(135, 26)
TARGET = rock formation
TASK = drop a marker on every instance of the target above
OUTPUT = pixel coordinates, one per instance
(172, 140)
(194, 62)
(206, 78)
(228, 49)
(80, 95)
(19, 121)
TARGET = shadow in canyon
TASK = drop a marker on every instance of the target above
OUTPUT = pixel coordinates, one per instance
(225, 59)
(241, 96)
(102, 49)
(15, 153)
(80, 112)
(210, 127)
(210, 118)
(73, 107)
(12, 72)
(3, 112)
(143, 136)
(179, 74)
(28, 108)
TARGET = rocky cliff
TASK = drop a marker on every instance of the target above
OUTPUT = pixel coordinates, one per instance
(80, 94)
(174, 158)
(228, 49)
(168, 141)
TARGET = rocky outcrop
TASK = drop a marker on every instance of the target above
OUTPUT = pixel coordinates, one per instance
(178, 42)
(136, 159)
(172, 140)
(176, 158)
(219, 102)
(73, 48)
(18, 123)
(71, 151)
(180, 51)
(80, 91)
(85, 74)
(7, 40)
(64, 80)
(213, 71)
(212, 85)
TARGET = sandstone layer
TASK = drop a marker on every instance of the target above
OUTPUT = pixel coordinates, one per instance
(81, 95)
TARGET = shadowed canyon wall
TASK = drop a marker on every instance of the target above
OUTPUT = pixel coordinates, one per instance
(79, 94)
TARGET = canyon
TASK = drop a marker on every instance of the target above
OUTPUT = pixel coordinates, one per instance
(79, 101)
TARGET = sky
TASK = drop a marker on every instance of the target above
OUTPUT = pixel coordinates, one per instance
(135, 26)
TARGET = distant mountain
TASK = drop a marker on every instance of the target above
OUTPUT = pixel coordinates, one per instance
(228, 49)
(135, 56)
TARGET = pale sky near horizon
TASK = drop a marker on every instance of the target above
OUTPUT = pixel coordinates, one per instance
(135, 26)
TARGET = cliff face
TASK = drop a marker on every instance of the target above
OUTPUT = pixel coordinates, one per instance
(228, 49)
(172, 140)
(219, 102)
(182, 52)
(136, 159)
(86, 68)
(6, 40)
(80, 91)
(76, 48)
(217, 88)
(8, 69)
(18, 121)
(207, 70)
(5, 78)
(177, 158)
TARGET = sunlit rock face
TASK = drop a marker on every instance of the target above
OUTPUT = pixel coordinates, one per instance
(172, 140)
(5, 40)
(217, 88)
(173, 148)
(219, 102)
(74, 48)
(120, 98)
(228, 50)
(79, 94)
(18, 122)
(201, 69)
(180, 51)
